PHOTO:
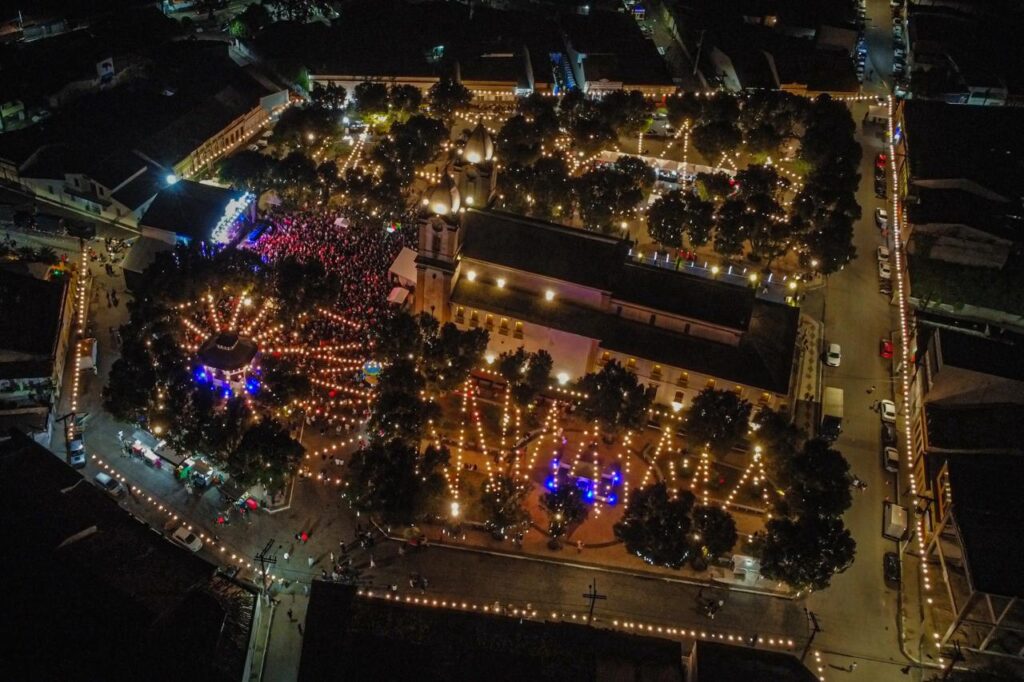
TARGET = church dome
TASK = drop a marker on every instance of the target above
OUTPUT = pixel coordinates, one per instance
(443, 198)
(479, 147)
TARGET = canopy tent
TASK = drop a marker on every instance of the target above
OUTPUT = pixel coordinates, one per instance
(404, 267)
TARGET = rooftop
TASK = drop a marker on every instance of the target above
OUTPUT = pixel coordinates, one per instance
(562, 253)
(983, 355)
(189, 209)
(31, 311)
(348, 637)
(135, 602)
(713, 662)
(979, 144)
(984, 427)
(228, 351)
(763, 358)
(985, 491)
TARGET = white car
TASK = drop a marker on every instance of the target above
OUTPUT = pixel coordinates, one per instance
(884, 271)
(833, 355)
(881, 218)
(891, 460)
(187, 539)
(883, 254)
(887, 410)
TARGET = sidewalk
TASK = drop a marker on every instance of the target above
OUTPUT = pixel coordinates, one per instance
(284, 650)
(611, 557)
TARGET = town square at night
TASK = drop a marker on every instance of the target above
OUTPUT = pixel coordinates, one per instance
(511, 339)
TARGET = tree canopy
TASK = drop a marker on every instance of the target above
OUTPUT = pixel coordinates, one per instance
(614, 397)
(657, 527)
(717, 417)
(394, 480)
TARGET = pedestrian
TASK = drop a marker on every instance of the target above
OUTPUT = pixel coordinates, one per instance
(579, 546)
(344, 549)
(310, 561)
(401, 550)
(853, 666)
(300, 629)
(286, 556)
(372, 565)
(291, 617)
(871, 390)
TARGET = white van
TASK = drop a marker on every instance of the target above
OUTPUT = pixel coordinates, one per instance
(894, 521)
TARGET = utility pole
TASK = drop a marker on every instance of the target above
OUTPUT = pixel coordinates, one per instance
(815, 629)
(696, 60)
(593, 596)
(266, 558)
(955, 658)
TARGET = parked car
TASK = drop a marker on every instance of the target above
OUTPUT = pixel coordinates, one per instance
(880, 188)
(891, 459)
(891, 568)
(888, 435)
(109, 484)
(187, 539)
(76, 452)
(881, 218)
(883, 254)
(833, 355)
(885, 348)
(881, 160)
(884, 271)
(887, 411)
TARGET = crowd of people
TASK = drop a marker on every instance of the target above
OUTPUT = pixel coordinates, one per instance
(355, 253)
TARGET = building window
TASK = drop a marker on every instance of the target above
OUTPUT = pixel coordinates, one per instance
(435, 243)
(517, 333)
(503, 327)
(738, 390)
(656, 373)
(489, 323)
(460, 314)
(618, 310)
(631, 363)
(653, 317)
(684, 380)
(710, 384)
(474, 320)
(678, 397)
(766, 398)
(605, 357)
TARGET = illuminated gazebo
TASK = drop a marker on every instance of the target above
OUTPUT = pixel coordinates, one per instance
(227, 360)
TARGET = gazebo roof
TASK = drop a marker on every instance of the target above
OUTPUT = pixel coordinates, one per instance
(227, 351)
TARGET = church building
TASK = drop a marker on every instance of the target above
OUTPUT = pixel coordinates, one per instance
(584, 299)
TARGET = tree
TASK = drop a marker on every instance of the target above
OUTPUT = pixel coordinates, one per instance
(714, 186)
(665, 219)
(715, 138)
(526, 373)
(552, 189)
(447, 95)
(565, 507)
(328, 177)
(657, 527)
(295, 173)
(676, 214)
(393, 480)
(730, 227)
(397, 336)
(614, 397)
(778, 437)
(399, 412)
(304, 126)
(410, 145)
(625, 112)
(247, 170)
(518, 141)
(129, 386)
(330, 96)
(817, 482)
(806, 553)
(503, 502)
(638, 171)
(716, 530)
(450, 355)
(685, 107)
(267, 455)
(606, 196)
(717, 417)
(250, 22)
(404, 100)
(371, 99)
